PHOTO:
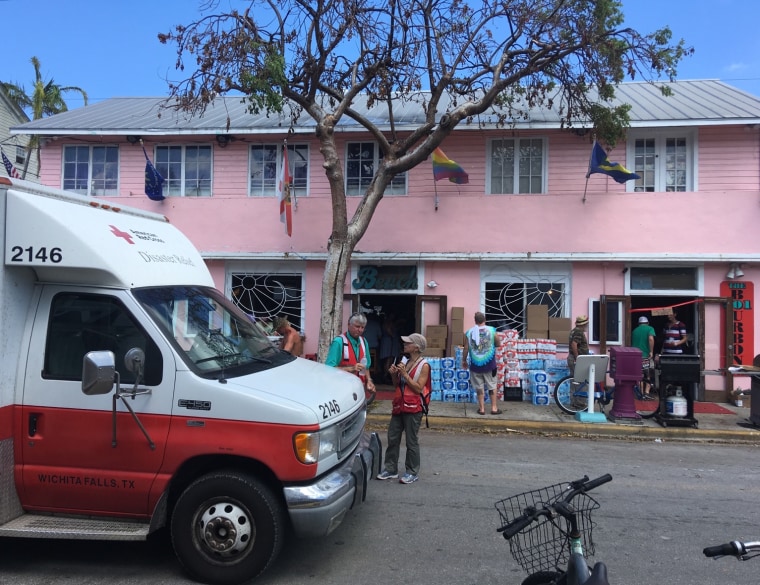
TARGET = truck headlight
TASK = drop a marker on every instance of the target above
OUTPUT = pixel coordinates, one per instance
(312, 447)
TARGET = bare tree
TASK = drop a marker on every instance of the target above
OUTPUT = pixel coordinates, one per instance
(458, 59)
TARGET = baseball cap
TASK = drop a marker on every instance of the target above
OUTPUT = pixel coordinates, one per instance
(417, 339)
(643, 319)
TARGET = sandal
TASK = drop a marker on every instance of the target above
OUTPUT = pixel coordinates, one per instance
(496, 412)
(481, 412)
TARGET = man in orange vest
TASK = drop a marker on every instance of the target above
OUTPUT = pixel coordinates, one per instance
(350, 351)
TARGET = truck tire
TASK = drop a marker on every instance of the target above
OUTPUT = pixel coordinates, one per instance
(226, 528)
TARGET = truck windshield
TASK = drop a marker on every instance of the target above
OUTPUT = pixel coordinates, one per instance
(213, 336)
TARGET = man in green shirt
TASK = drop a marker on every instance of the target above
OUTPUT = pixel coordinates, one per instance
(643, 338)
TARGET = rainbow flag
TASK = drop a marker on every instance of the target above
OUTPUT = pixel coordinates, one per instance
(445, 168)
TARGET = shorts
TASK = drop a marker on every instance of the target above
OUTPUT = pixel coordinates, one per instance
(646, 367)
(481, 380)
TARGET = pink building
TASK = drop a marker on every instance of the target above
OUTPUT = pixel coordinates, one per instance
(528, 229)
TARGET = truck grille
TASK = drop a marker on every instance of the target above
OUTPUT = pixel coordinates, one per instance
(350, 432)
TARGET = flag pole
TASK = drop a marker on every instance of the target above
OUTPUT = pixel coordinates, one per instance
(435, 187)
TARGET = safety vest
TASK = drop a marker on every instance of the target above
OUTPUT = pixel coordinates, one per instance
(349, 358)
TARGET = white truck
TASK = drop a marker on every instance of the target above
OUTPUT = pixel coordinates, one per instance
(135, 396)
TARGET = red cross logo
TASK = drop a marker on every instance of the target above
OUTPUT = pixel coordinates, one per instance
(120, 234)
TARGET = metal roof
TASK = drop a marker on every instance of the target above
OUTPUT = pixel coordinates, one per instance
(692, 103)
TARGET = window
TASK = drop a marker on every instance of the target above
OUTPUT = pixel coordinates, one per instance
(91, 170)
(362, 158)
(20, 154)
(265, 167)
(614, 325)
(506, 302)
(265, 296)
(664, 161)
(682, 280)
(187, 170)
(80, 323)
(517, 166)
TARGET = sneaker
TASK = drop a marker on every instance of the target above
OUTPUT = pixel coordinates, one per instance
(387, 475)
(408, 478)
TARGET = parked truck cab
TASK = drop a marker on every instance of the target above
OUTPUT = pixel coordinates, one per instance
(134, 395)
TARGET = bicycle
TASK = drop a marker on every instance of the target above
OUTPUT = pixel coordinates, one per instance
(742, 551)
(572, 397)
(551, 528)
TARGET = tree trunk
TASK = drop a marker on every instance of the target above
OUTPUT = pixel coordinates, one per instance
(331, 321)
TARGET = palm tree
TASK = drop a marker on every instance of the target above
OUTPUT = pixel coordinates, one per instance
(45, 99)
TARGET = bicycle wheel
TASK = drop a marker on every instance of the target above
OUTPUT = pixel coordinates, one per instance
(571, 397)
(648, 408)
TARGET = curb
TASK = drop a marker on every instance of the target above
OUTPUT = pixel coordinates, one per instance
(379, 422)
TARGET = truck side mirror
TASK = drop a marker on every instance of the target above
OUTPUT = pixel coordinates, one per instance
(98, 372)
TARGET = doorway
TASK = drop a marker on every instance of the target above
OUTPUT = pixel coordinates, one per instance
(685, 309)
(388, 318)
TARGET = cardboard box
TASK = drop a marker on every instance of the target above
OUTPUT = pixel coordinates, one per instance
(560, 336)
(537, 318)
(436, 342)
(537, 334)
(457, 313)
(434, 352)
(457, 338)
(457, 325)
(437, 331)
(560, 323)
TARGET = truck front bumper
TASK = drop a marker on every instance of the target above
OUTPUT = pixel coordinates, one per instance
(318, 508)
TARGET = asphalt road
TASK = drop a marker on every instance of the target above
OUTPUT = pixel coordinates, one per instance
(666, 502)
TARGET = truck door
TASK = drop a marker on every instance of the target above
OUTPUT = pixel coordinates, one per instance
(69, 459)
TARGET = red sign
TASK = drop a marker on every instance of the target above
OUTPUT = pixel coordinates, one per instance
(742, 308)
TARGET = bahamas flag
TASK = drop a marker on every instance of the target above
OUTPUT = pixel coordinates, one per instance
(601, 164)
(445, 168)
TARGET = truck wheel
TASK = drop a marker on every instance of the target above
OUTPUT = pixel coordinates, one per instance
(226, 528)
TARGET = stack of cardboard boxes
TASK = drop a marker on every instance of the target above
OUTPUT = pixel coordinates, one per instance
(436, 336)
(457, 329)
(541, 326)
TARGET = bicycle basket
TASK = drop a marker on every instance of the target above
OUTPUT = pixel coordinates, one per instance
(544, 544)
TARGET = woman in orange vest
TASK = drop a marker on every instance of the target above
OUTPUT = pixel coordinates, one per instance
(412, 379)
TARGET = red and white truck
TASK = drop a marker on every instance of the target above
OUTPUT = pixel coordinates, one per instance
(135, 396)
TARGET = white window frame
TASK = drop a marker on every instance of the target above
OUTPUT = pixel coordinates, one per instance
(594, 339)
(699, 291)
(91, 188)
(398, 185)
(170, 189)
(516, 178)
(20, 154)
(659, 167)
(298, 163)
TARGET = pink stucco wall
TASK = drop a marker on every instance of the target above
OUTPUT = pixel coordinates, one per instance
(720, 217)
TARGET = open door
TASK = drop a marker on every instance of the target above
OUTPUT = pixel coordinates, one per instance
(612, 319)
(427, 305)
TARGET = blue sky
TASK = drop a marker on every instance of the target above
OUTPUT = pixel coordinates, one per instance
(110, 47)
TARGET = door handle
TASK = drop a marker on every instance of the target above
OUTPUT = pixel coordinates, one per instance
(33, 424)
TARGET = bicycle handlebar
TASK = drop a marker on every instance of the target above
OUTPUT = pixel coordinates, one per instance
(730, 548)
(735, 548)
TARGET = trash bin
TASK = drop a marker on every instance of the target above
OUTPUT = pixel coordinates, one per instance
(625, 370)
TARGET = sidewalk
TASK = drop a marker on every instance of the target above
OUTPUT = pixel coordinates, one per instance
(525, 418)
